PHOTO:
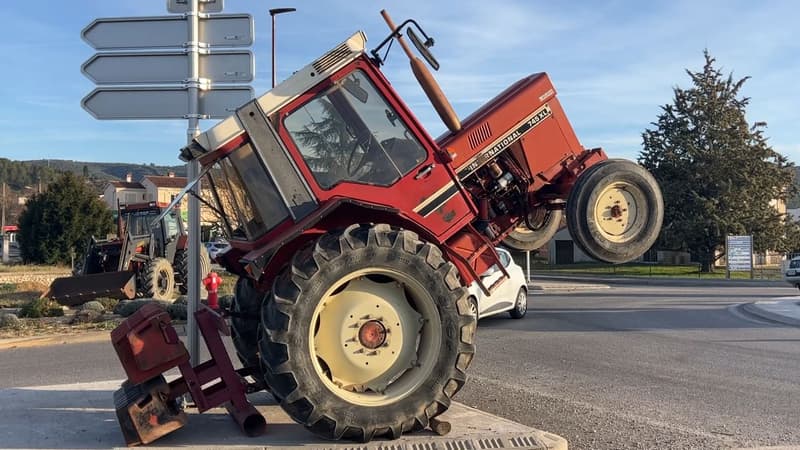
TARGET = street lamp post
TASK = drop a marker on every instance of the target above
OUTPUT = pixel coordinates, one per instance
(274, 12)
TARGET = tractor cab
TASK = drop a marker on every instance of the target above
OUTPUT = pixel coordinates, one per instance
(333, 137)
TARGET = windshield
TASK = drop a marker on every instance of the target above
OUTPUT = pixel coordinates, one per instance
(350, 133)
(247, 201)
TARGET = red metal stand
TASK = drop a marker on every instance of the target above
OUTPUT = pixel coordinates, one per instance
(147, 345)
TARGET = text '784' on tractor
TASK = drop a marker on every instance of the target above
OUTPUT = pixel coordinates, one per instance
(354, 232)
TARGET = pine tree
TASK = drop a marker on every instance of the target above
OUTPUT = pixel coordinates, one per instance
(61, 220)
(718, 174)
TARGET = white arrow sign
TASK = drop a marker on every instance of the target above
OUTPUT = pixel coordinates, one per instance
(163, 102)
(232, 66)
(121, 33)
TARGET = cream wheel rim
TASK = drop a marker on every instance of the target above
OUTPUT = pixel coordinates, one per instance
(375, 336)
(616, 211)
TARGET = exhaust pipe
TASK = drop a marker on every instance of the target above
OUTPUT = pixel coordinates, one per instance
(428, 83)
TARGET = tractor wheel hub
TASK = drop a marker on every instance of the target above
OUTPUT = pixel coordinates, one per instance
(372, 334)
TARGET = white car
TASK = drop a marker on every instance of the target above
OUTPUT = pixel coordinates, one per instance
(792, 274)
(215, 248)
(511, 295)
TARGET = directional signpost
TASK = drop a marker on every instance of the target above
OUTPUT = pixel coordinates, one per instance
(123, 33)
(739, 254)
(119, 103)
(231, 66)
(171, 67)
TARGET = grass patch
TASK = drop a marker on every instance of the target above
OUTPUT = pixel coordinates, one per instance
(651, 270)
(16, 295)
(51, 326)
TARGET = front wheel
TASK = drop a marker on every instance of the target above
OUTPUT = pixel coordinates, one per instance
(158, 279)
(368, 333)
(615, 210)
(520, 305)
(536, 232)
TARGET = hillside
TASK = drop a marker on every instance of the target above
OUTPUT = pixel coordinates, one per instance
(107, 171)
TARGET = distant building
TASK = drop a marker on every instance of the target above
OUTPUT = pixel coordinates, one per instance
(161, 189)
(124, 192)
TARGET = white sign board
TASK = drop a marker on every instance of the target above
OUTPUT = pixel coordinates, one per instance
(163, 102)
(739, 253)
(124, 33)
(226, 66)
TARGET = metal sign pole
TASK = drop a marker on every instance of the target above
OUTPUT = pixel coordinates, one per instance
(193, 169)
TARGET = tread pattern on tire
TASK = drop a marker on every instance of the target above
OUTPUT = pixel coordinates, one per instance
(246, 307)
(150, 277)
(539, 237)
(293, 380)
(577, 212)
(181, 267)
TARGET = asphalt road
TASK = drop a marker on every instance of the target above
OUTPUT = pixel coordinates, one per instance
(629, 367)
(643, 367)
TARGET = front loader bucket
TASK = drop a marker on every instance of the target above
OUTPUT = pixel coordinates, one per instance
(73, 291)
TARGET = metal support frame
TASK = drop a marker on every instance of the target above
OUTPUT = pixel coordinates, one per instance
(193, 169)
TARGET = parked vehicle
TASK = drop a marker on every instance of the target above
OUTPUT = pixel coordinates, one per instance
(149, 258)
(511, 296)
(792, 273)
(214, 248)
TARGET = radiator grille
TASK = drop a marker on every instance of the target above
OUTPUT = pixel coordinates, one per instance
(479, 136)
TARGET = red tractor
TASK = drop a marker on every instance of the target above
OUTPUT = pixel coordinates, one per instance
(148, 258)
(354, 232)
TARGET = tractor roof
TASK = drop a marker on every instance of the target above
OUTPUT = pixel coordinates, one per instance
(288, 90)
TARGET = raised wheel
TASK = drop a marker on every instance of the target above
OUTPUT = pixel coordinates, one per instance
(615, 210)
(545, 224)
(246, 308)
(369, 333)
(182, 268)
(158, 279)
(520, 304)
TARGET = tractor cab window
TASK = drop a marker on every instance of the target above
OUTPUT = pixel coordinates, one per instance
(350, 133)
(247, 201)
(170, 225)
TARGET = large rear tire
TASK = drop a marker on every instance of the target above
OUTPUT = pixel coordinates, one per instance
(247, 302)
(368, 333)
(545, 225)
(182, 268)
(615, 210)
(158, 279)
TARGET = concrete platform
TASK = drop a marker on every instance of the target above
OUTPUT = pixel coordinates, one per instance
(785, 310)
(81, 416)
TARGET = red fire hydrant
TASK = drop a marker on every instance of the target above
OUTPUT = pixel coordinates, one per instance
(211, 282)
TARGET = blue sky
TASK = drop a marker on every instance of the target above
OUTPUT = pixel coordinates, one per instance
(613, 64)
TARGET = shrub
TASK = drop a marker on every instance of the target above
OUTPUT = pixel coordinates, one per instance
(108, 303)
(93, 305)
(40, 307)
(177, 311)
(128, 307)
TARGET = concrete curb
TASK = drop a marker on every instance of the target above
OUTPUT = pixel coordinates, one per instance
(786, 312)
(565, 287)
(40, 341)
(82, 415)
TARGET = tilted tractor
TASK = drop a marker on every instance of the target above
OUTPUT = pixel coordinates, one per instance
(354, 232)
(148, 258)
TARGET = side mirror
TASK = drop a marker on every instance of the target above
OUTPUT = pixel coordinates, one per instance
(423, 48)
